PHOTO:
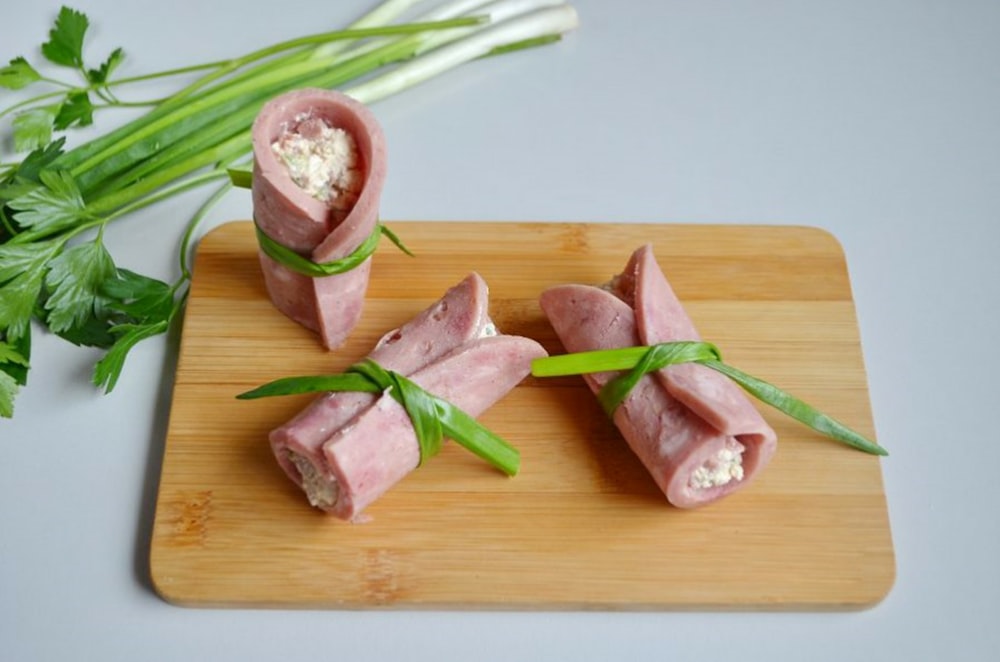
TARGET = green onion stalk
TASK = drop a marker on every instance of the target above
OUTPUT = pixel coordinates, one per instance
(637, 362)
(55, 202)
(433, 418)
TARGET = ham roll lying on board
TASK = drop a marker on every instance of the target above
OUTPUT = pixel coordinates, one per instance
(345, 449)
(319, 167)
(695, 430)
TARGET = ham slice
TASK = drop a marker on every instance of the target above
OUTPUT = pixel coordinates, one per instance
(694, 430)
(347, 449)
(285, 212)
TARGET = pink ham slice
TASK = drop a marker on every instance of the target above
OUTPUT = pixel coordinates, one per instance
(329, 305)
(684, 422)
(457, 318)
(379, 447)
(346, 449)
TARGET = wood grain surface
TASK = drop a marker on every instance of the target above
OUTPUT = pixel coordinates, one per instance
(582, 526)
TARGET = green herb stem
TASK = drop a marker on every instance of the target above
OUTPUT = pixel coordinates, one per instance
(167, 73)
(116, 103)
(27, 102)
(57, 83)
(187, 239)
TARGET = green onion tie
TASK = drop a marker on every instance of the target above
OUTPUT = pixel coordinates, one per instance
(432, 417)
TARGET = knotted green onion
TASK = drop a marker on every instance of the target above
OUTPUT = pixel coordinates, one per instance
(640, 361)
(300, 264)
(654, 358)
(432, 418)
(243, 178)
(420, 405)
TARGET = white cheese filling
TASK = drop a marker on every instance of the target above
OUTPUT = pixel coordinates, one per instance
(323, 161)
(321, 491)
(725, 467)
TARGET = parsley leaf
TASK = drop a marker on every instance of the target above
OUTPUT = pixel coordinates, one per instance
(149, 305)
(76, 109)
(33, 128)
(109, 368)
(14, 358)
(24, 177)
(21, 179)
(17, 302)
(18, 74)
(140, 297)
(13, 372)
(75, 278)
(65, 44)
(51, 207)
(35, 161)
(16, 187)
(13, 354)
(93, 332)
(8, 391)
(100, 75)
(22, 273)
(18, 259)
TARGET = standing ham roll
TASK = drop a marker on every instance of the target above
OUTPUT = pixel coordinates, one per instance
(695, 431)
(347, 449)
(319, 167)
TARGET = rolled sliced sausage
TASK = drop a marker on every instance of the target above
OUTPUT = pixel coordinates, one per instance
(694, 430)
(319, 168)
(347, 449)
(379, 447)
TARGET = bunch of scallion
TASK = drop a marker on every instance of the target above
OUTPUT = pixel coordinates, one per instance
(56, 202)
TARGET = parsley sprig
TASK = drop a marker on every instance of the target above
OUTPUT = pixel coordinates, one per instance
(71, 103)
(57, 201)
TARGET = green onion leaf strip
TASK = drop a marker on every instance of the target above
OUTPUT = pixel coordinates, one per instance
(640, 361)
(797, 409)
(432, 418)
(420, 405)
(243, 178)
(656, 357)
(240, 177)
(303, 265)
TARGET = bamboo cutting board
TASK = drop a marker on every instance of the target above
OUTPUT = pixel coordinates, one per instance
(582, 526)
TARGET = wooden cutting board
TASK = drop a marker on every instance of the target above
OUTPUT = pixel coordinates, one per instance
(582, 526)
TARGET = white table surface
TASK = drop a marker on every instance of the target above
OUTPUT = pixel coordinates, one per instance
(877, 120)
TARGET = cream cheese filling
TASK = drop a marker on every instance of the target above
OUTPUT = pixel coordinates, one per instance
(721, 469)
(322, 160)
(321, 491)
